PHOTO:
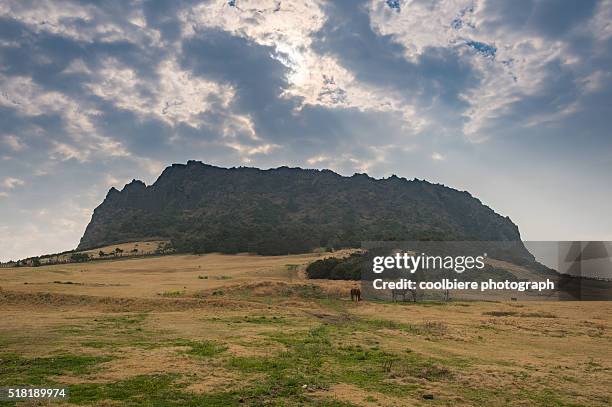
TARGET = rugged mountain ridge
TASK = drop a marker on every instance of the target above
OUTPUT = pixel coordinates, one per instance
(206, 208)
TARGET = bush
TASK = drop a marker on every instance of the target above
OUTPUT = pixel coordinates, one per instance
(79, 257)
(333, 268)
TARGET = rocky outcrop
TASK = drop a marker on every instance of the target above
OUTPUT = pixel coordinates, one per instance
(205, 208)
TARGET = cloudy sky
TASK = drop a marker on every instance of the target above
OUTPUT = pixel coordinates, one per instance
(510, 101)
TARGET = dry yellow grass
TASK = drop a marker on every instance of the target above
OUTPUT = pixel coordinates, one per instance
(151, 276)
(217, 325)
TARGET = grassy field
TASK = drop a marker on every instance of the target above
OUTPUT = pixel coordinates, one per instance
(250, 330)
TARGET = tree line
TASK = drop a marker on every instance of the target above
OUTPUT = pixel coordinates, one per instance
(81, 257)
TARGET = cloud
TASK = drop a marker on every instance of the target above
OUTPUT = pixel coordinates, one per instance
(66, 152)
(437, 157)
(262, 149)
(176, 97)
(514, 51)
(32, 101)
(82, 22)
(13, 142)
(427, 84)
(11, 183)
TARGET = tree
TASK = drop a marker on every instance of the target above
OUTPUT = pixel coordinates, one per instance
(118, 252)
(79, 257)
(163, 248)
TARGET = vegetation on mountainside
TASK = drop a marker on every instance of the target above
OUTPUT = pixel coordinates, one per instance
(202, 208)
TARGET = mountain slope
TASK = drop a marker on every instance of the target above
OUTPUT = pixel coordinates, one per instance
(205, 208)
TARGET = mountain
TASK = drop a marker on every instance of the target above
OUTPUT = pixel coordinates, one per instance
(203, 208)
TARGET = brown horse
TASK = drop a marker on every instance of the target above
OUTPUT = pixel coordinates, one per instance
(355, 294)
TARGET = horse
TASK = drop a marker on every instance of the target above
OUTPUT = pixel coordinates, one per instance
(355, 294)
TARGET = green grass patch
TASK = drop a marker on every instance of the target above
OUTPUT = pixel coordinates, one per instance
(201, 349)
(167, 390)
(124, 330)
(17, 370)
(319, 359)
(122, 321)
(128, 324)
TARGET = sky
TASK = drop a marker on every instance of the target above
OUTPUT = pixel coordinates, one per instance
(511, 101)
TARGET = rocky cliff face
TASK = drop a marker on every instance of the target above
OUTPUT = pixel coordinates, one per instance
(205, 208)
